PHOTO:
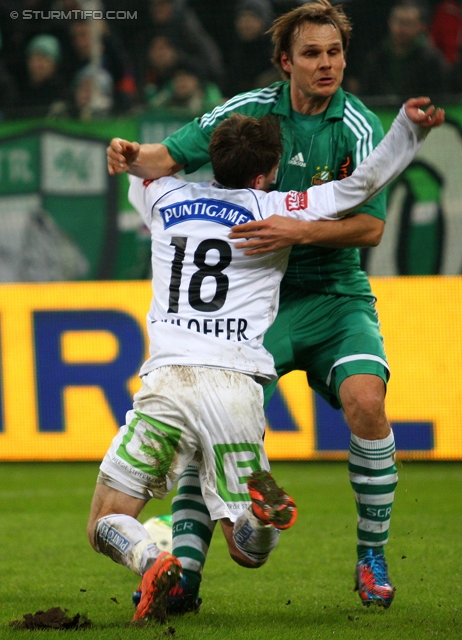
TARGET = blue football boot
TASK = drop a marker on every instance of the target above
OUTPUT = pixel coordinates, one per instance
(372, 581)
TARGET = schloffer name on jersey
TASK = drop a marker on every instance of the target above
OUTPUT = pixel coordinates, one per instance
(296, 200)
(209, 209)
(228, 328)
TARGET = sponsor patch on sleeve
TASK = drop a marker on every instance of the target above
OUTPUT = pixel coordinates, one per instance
(346, 168)
(296, 200)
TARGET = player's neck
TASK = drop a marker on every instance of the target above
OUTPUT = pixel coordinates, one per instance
(309, 106)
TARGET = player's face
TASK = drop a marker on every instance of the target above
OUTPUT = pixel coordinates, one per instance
(315, 64)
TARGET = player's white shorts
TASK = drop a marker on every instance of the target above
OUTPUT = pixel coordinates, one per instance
(182, 413)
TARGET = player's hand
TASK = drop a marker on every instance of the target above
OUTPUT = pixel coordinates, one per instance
(430, 117)
(262, 236)
(120, 154)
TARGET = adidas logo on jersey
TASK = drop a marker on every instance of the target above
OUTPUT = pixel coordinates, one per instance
(298, 160)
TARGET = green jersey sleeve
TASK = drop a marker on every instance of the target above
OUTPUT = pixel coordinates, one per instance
(377, 207)
(189, 146)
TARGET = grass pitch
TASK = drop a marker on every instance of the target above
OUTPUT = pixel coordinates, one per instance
(305, 591)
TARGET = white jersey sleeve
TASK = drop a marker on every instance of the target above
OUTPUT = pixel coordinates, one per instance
(382, 166)
(337, 198)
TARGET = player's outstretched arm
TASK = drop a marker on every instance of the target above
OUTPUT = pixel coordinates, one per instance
(394, 153)
(150, 161)
(378, 170)
(279, 232)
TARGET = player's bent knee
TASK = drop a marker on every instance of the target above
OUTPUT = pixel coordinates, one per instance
(240, 556)
(91, 531)
(367, 407)
(243, 561)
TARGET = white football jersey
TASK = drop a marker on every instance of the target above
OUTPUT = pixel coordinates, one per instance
(212, 304)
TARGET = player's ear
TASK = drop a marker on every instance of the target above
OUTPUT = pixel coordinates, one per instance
(286, 63)
(258, 182)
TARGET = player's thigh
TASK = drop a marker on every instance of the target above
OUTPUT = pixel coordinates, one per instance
(293, 315)
(232, 425)
(277, 339)
(291, 338)
(150, 452)
(303, 323)
(349, 343)
(107, 500)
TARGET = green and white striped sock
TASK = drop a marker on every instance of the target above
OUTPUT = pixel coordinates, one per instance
(192, 526)
(373, 476)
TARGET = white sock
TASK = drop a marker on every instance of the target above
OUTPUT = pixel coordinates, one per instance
(253, 538)
(125, 540)
(373, 476)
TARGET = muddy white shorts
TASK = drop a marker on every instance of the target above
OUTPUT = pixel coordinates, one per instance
(182, 413)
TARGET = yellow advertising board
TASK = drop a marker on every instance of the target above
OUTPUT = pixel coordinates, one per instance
(70, 355)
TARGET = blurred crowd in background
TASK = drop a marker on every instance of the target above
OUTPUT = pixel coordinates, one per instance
(187, 56)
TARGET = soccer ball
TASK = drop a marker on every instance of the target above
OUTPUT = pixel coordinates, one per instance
(160, 530)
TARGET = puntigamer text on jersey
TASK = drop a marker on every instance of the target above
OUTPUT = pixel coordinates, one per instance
(205, 209)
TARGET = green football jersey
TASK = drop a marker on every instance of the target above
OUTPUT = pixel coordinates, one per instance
(329, 149)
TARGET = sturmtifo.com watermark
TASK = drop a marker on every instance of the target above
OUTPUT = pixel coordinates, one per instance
(74, 14)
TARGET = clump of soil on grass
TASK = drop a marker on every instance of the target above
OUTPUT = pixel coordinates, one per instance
(54, 618)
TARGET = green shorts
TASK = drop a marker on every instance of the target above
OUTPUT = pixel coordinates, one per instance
(331, 337)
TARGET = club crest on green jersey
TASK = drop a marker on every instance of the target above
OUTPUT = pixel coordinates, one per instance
(324, 175)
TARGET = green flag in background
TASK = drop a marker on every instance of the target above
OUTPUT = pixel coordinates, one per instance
(421, 229)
